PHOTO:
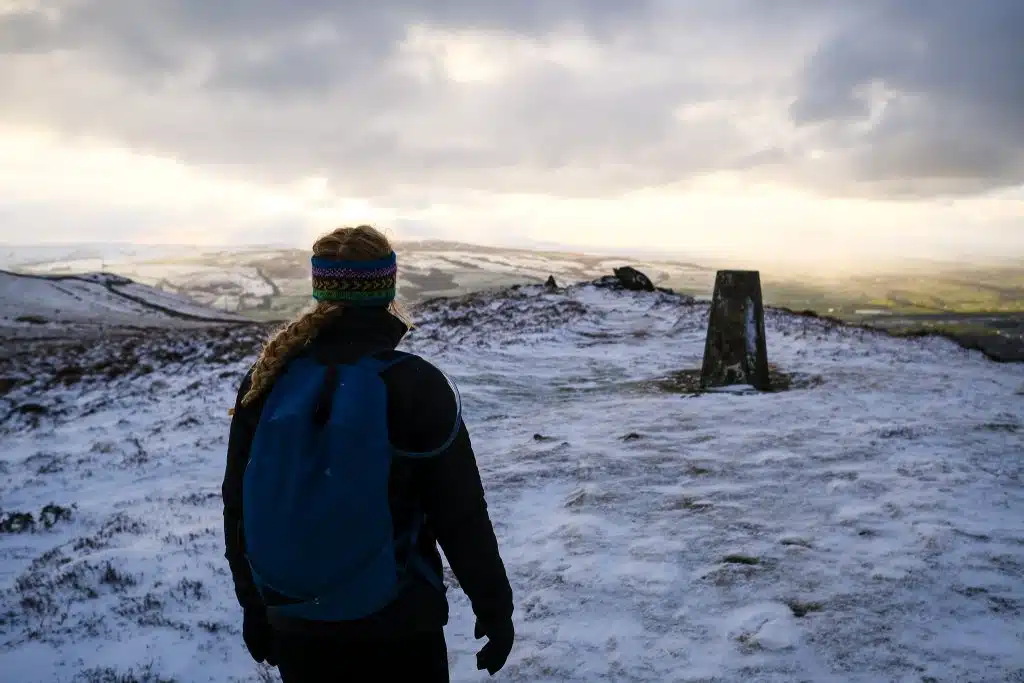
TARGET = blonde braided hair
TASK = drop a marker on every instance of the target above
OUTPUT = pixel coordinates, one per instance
(362, 243)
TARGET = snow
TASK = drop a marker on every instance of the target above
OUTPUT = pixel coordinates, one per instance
(536, 264)
(23, 296)
(179, 304)
(91, 298)
(238, 279)
(868, 528)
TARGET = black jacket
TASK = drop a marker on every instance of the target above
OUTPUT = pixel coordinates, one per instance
(421, 417)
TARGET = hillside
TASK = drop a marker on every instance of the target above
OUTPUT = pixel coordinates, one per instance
(29, 302)
(866, 524)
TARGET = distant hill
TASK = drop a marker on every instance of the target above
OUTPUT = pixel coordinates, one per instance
(980, 305)
(273, 283)
(31, 301)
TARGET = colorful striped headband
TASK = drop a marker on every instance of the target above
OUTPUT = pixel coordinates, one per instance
(360, 283)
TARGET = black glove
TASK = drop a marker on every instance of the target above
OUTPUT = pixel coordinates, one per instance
(500, 636)
(258, 636)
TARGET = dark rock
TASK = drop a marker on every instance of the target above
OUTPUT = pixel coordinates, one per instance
(52, 513)
(632, 279)
(614, 283)
(69, 375)
(551, 284)
(801, 609)
(17, 522)
(608, 282)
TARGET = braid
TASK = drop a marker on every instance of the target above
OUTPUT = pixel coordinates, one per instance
(283, 345)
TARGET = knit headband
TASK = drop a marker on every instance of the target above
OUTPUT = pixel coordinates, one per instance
(360, 283)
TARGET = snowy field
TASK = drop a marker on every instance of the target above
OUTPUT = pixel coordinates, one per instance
(868, 527)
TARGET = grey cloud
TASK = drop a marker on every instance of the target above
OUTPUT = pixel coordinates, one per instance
(279, 90)
(957, 69)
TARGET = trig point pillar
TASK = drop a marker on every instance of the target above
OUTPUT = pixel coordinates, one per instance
(735, 351)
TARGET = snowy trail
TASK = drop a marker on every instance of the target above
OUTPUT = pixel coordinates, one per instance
(870, 528)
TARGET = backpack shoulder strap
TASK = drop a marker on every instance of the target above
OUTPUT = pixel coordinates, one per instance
(325, 399)
(372, 363)
(377, 364)
(456, 424)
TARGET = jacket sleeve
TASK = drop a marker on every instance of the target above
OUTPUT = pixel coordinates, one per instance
(452, 495)
(243, 427)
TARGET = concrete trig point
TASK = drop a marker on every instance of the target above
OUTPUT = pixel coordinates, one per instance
(735, 351)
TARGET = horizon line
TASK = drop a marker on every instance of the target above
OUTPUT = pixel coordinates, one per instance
(662, 256)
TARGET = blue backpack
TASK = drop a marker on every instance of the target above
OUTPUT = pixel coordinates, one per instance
(318, 530)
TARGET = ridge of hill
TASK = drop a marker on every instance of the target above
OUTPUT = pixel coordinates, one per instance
(29, 301)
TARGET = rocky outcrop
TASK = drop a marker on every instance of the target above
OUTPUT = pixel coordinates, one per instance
(628, 278)
(633, 280)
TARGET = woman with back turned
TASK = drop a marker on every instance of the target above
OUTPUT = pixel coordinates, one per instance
(348, 463)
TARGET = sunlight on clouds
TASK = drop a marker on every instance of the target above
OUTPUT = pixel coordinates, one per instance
(83, 176)
(721, 217)
(39, 165)
(717, 216)
(487, 57)
(762, 122)
(714, 127)
(25, 7)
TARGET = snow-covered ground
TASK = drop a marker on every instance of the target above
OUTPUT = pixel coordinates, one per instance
(867, 527)
(96, 298)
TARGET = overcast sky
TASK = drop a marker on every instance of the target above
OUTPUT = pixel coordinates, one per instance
(833, 131)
